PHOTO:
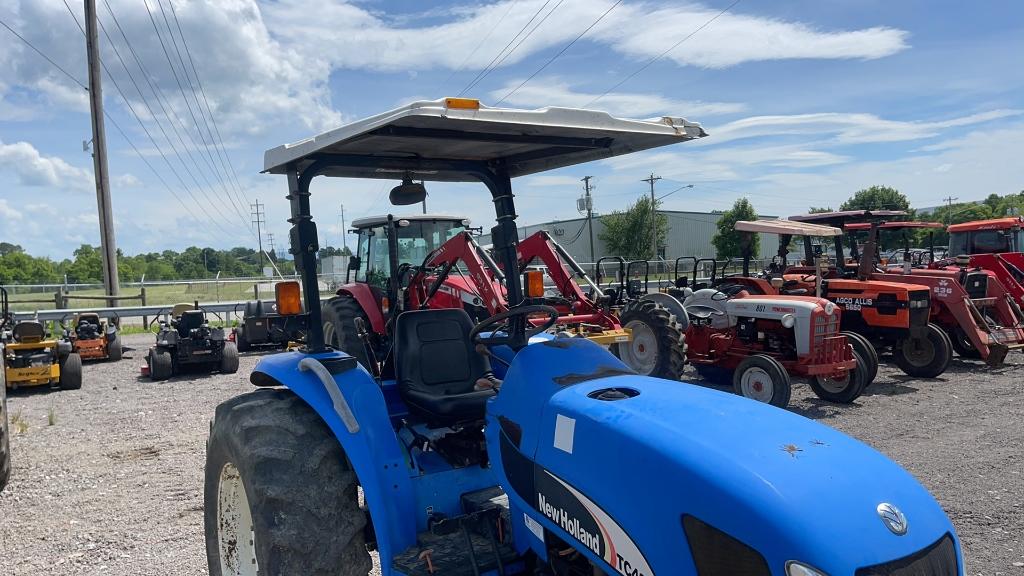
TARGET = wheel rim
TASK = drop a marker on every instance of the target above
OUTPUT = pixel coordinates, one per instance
(755, 383)
(235, 536)
(918, 351)
(835, 385)
(641, 354)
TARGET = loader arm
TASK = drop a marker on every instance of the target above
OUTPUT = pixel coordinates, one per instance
(485, 276)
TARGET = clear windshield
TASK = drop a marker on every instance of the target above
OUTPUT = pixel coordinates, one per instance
(415, 242)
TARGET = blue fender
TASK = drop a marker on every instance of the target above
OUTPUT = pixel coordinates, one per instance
(373, 449)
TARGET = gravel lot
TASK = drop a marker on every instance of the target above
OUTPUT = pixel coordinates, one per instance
(114, 485)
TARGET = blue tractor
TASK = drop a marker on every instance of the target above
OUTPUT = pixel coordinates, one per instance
(500, 449)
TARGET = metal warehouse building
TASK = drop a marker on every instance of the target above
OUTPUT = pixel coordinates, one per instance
(689, 234)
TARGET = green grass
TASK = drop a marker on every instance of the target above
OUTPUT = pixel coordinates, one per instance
(157, 295)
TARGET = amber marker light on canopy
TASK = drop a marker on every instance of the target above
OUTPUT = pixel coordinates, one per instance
(288, 297)
(462, 103)
(534, 283)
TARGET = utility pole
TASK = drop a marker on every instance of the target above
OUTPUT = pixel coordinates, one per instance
(344, 241)
(259, 220)
(108, 246)
(270, 240)
(949, 212)
(590, 218)
(654, 214)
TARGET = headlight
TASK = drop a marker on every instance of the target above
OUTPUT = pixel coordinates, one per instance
(919, 303)
(788, 321)
(798, 569)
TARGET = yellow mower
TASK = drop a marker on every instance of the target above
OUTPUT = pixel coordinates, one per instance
(33, 358)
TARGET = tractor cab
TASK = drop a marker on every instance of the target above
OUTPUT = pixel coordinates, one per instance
(986, 236)
(410, 238)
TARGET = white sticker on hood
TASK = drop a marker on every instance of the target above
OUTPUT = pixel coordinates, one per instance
(565, 431)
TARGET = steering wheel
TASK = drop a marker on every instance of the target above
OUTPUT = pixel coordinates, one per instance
(501, 320)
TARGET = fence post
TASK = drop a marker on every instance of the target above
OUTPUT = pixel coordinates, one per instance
(56, 300)
(142, 297)
(256, 291)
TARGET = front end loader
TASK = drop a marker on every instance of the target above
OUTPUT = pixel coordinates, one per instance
(499, 448)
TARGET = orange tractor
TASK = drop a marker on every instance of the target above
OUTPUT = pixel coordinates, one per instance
(981, 317)
(94, 338)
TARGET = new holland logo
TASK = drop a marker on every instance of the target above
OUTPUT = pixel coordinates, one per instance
(893, 518)
(591, 526)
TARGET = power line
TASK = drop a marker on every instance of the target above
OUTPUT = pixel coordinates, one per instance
(153, 140)
(473, 52)
(487, 69)
(112, 121)
(222, 149)
(662, 55)
(47, 58)
(259, 220)
(184, 70)
(560, 52)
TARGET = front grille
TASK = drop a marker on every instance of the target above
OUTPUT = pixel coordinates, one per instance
(824, 327)
(919, 315)
(939, 559)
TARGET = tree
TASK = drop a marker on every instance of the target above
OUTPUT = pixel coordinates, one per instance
(877, 198)
(628, 233)
(819, 209)
(727, 241)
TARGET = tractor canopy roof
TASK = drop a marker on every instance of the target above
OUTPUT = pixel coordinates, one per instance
(789, 227)
(841, 218)
(893, 225)
(994, 224)
(438, 134)
(374, 221)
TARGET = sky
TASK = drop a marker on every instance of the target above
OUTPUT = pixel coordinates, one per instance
(804, 101)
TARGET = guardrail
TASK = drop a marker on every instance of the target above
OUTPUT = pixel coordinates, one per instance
(131, 311)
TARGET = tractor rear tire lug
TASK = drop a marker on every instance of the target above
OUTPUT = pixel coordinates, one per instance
(339, 315)
(299, 488)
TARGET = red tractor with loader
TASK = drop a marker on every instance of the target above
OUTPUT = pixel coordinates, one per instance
(433, 261)
(979, 315)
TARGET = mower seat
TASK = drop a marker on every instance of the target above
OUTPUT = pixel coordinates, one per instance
(189, 321)
(437, 367)
(28, 332)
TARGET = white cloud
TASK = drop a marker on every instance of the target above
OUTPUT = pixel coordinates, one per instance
(352, 37)
(845, 128)
(34, 169)
(551, 91)
(8, 213)
(126, 181)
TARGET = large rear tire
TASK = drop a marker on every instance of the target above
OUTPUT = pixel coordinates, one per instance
(340, 333)
(863, 346)
(279, 493)
(925, 357)
(762, 378)
(5, 435)
(846, 389)
(657, 346)
(71, 372)
(229, 359)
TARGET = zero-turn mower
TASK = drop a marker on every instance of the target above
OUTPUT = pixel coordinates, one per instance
(261, 328)
(93, 338)
(33, 358)
(187, 340)
(557, 459)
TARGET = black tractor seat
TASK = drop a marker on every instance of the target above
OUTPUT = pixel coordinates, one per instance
(437, 367)
(190, 320)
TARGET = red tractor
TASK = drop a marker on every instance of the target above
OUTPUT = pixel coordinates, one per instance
(430, 261)
(981, 317)
(994, 245)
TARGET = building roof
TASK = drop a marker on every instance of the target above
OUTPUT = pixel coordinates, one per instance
(458, 129)
(899, 225)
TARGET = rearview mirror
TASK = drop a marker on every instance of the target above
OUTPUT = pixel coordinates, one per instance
(408, 192)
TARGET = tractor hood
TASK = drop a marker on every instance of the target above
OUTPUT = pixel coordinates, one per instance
(655, 452)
